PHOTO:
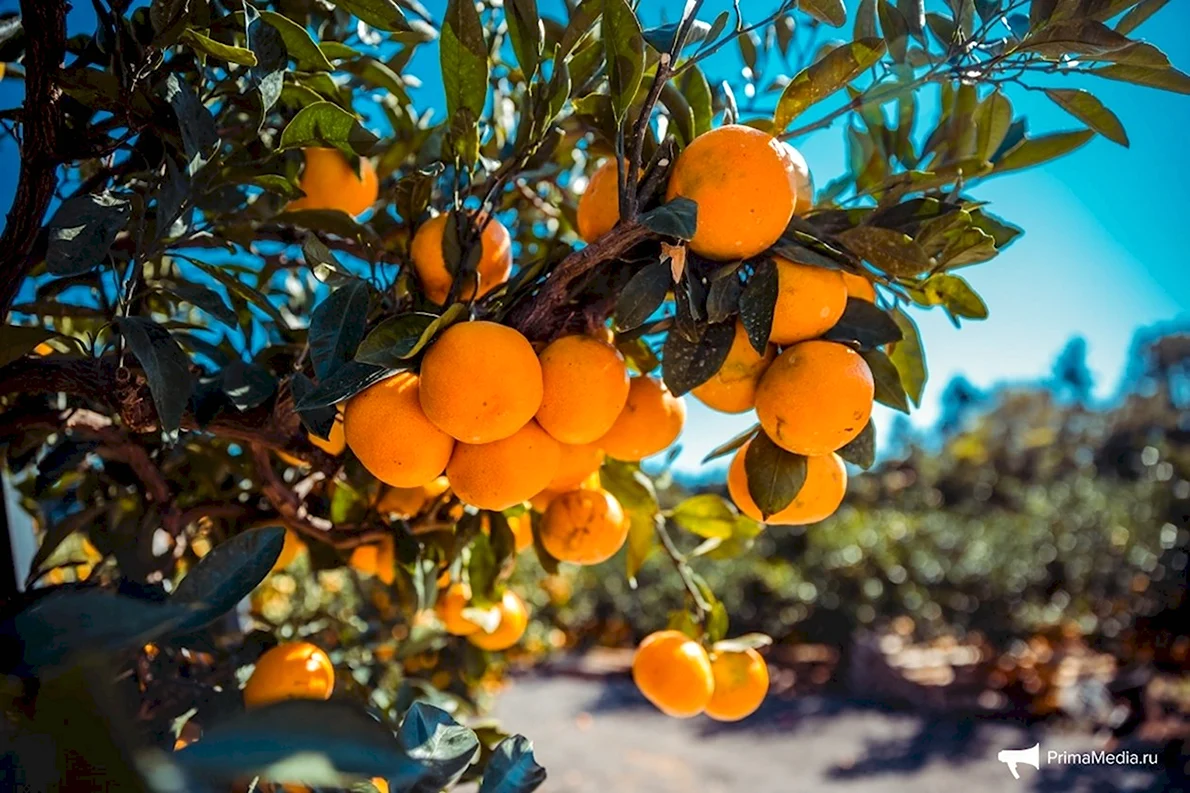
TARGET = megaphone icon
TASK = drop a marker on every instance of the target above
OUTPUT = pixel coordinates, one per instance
(1030, 756)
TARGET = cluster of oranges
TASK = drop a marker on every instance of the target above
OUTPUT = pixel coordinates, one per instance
(682, 679)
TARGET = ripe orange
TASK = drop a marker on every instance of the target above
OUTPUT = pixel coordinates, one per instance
(803, 182)
(741, 681)
(820, 496)
(335, 442)
(503, 473)
(289, 551)
(584, 527)
(810, 301)
(733, 388)
(859, 287)
(450, 610)
(493, 269)
(293, 670)
(585, 386)
(405, 502)
(575, 466)
(542, 500)
(674, 673)
(480, 382)
(514, 618)
(522, 530)
(651, 420)
(378, 559)
(329, 182)
(742, 180)
(387, 430)
(815, 398)
(599, 206)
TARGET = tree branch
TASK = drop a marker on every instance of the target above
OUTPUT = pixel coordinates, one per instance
(45, 26)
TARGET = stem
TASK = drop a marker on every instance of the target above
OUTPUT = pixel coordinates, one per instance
(684, 571)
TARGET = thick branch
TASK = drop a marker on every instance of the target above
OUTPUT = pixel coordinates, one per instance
(45, 27)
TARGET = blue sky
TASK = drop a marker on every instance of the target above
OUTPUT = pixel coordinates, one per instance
(1103, 252)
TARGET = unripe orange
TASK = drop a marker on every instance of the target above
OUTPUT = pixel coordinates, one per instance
(674, 673)
(743, 182)
(815, 398)
(651, 420)
(741, 682)
(810, 301)
(450, 610)
(480, 382)
(294, 670)
(330, 182)
(819, 498)
(391, 435)
(514, 618)
(584, 527)
(493, 269)
(585, 386)
(503, 473)
(732, 389)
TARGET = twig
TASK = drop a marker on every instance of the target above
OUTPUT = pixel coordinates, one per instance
(684, 571)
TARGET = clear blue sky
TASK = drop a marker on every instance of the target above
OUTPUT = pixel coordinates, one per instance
(1103, 252)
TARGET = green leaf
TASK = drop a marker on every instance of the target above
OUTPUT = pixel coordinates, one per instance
(168, 18)
(82, 231)
(382, 14)
(636, 495)
(56, 534)
(512, 768)
(217, 49)
(324, 221)
(166, 367)
(992, 121)
(277, 185)
(395, 339)
(775, 476)
(642, 540)
(688, 364)
(444, 747)
(18, 340)
(865, 21)
(300, 45)
(1087, 108)
(248, 385)
(347, 381)
(327, 124)
(1074, 37)
(861, 450)
(826, 76)
(1137, 16)
(1034, 151)
(268, 45)
(677, 218)
(205, 298)
(524, 28)
(313, 742)
(463, 53)
(914, 14)
(891, 251)
(643, 295)
(956, 295)
(337, 51)
(227, 575)
(832, 12)
(758, 304)
(707, 515)
(200, 135)
(908, 355)
(624, 50)
(1165, 79)
(864, 324)
(337, 327)
(896, 30)
(730, 446)
(244, 292)
(319, 420)
(694, 86)
(889, 390)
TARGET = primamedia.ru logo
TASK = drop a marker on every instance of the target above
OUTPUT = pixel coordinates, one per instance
(1034, 756)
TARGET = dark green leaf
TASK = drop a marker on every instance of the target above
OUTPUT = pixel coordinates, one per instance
(723, 296)
(382, 14)
(643, 295)
(347, 381)
(1001, 232)
(694, 86)
(896, 30)
(829, 74)
(512, 768)
(677, 218)
(662, 38)
(18, 340)
(1034, 151)
(444, 747)
(244, 292)
(865, 325)
(685, 365)
(865, 21)
(861, 450)
(67, 455)
(914, 13)
(227, 575)
(217, 49)
(758, 304)
(248, 385)
(166, 366)
(327, 124)
(300, 45)
(832, 12)
(168, 18)
(205, 298)
(992, 122)
(1087, 108)
(1074, 37)
(82, 231)
(337, 327)
(524, 28)
(323, 263)
(318, 421)
(908, 355)
(1166, 79)
(730, 446)
(463, 52)
(891, 251)
(1141, 12)
(889, 390)
(707, 515)
(624, 49)
(395, 339)
(775, 476)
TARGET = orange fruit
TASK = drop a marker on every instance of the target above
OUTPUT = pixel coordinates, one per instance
(599, 206)
(44, 348)
(387, 430)
(859, 287)
(803, 183)
(575, 466)
(542, 500)
(480, 382)
(674, 673)
(293, 670)
(289, 551)
(380, 783)
(335, 442)
(522, 530)
(405, 502)
(450, 609)
(732, 389)
(651, 420)
(514, 618)
(820, 496)
(330, 182)
(584, 527)
(493, 269)
(503, 473)
(584, 388)
(810, 301)
(743, 182)
(815, 398)
(378, 559)
(741, 681)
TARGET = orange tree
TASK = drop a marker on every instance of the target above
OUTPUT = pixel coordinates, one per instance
(268, 319)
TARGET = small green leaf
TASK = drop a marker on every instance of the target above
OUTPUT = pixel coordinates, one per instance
(1165, 79)
(643, 295)
(726, 448)
(829, 74)
(832, 12)
(248, 385)
(956, 295)
(382, 14)
(318, 421)
(205, 298)
(992, 121)
(861, 450)
(1139, 13)
(347, 381)
(524, 28)
(624, 50)
(694, 86)
(908, 355)
(889, 390)
(775, 476)
(642, 540)
(18, 340)
(758, 304)
(299, 43)
(1034, 151)
(1087, 108)
(395, 339)
(327, 124)
(896, 30)
(166, 367)
(707, 515)
(217, 49)
(444, 747)
(677, 218)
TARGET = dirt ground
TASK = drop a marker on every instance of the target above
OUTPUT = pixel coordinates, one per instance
(599, 735)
